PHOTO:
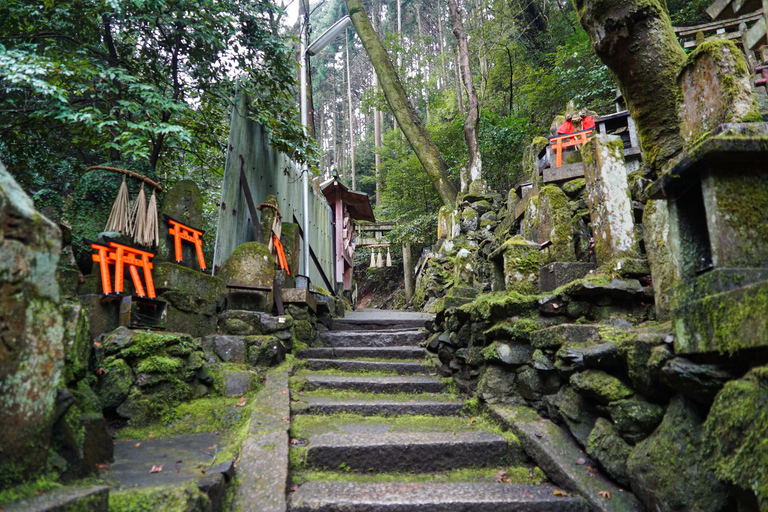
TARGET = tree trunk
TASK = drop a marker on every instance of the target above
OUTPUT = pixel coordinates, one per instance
(351, 124)
(475, 163)
(409, 121)
(634, 38)
(442, 47)
(304, 12)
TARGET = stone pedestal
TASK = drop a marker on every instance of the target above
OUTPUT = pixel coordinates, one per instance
(717, 195)
(608, 197)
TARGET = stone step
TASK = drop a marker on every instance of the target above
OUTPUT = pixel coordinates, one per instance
(69, 499)
(431, 497)
(376, 384)
(376, 407)
(373, 338)
(554, 450)
(360, 352)
(344, 365)
(406, 451)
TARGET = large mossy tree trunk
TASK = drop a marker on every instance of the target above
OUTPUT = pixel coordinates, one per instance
(473, 105)
(407, 118)
(635, 39)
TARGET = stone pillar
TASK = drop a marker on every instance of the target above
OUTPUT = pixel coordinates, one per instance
(408, 271)
(657, 246)
(555, 223)
(184, 203)
(444, 223)
(608, 197)
(31, 333)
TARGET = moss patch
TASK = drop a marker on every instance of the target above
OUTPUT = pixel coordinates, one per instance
(171, 499)
(518, 476)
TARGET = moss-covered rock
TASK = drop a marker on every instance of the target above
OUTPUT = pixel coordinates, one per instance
(670, 470)
(531, 158)
(635, 417)
(715, 89)
(736, 434)
(265, 351)
(521, 265)
(77, 342)
(496, 385)
(600, 386)
(574, 187)
(187, 289)
(555, 223)
(31, 351)
(115, 384)
(249, 264)
(610, 450)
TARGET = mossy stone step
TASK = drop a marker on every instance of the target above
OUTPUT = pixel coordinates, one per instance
(376, 407)
(431, 497)
(376, 384)
(363, 352)
(407, 451)
(373, 338)
(344, 365)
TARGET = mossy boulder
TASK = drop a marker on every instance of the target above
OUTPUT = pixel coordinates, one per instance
(291, 246)
(736, 434)
(635, 417)
(670, 470)
(600, 386)
(574, 188)
(610, 450)
(531, 158)
(496, 386)
(115, 384)
(265, 351)
(247, 323)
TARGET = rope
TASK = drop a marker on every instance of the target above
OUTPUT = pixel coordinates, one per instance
(277, 210)
(128, 173)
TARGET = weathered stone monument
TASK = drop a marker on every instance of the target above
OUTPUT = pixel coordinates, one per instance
(717, 196)
(31, 333)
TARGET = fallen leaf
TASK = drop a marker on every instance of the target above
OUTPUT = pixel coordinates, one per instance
(102, 466)
(285, 418)
(179, 461)
(561, 493)
(241, 402)
(96, 344)
(501, 476)
(156, 469)
(581, 461)
(285, 392)
(212, 447)
(294, 441)
(137, 445)
(151, 436)
(100, 371)
(604, 494)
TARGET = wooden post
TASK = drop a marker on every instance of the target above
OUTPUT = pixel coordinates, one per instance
(408, 271)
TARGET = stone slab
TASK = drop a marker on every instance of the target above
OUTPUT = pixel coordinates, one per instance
(377, 384)
(556, 336)
(263, 464)
(373, 338)
(69, 499)
(134, 459)
(358, 352)
(299, 296)
(406, 451)
(556, 452)
(563, 173)
(399, 367)
(558, 273)
(430, 497)
(379, 407)
(366, 319)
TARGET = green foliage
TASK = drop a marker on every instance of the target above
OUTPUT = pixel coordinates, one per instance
(87, 82)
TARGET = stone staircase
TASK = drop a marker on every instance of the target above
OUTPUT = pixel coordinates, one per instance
(375, 430)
